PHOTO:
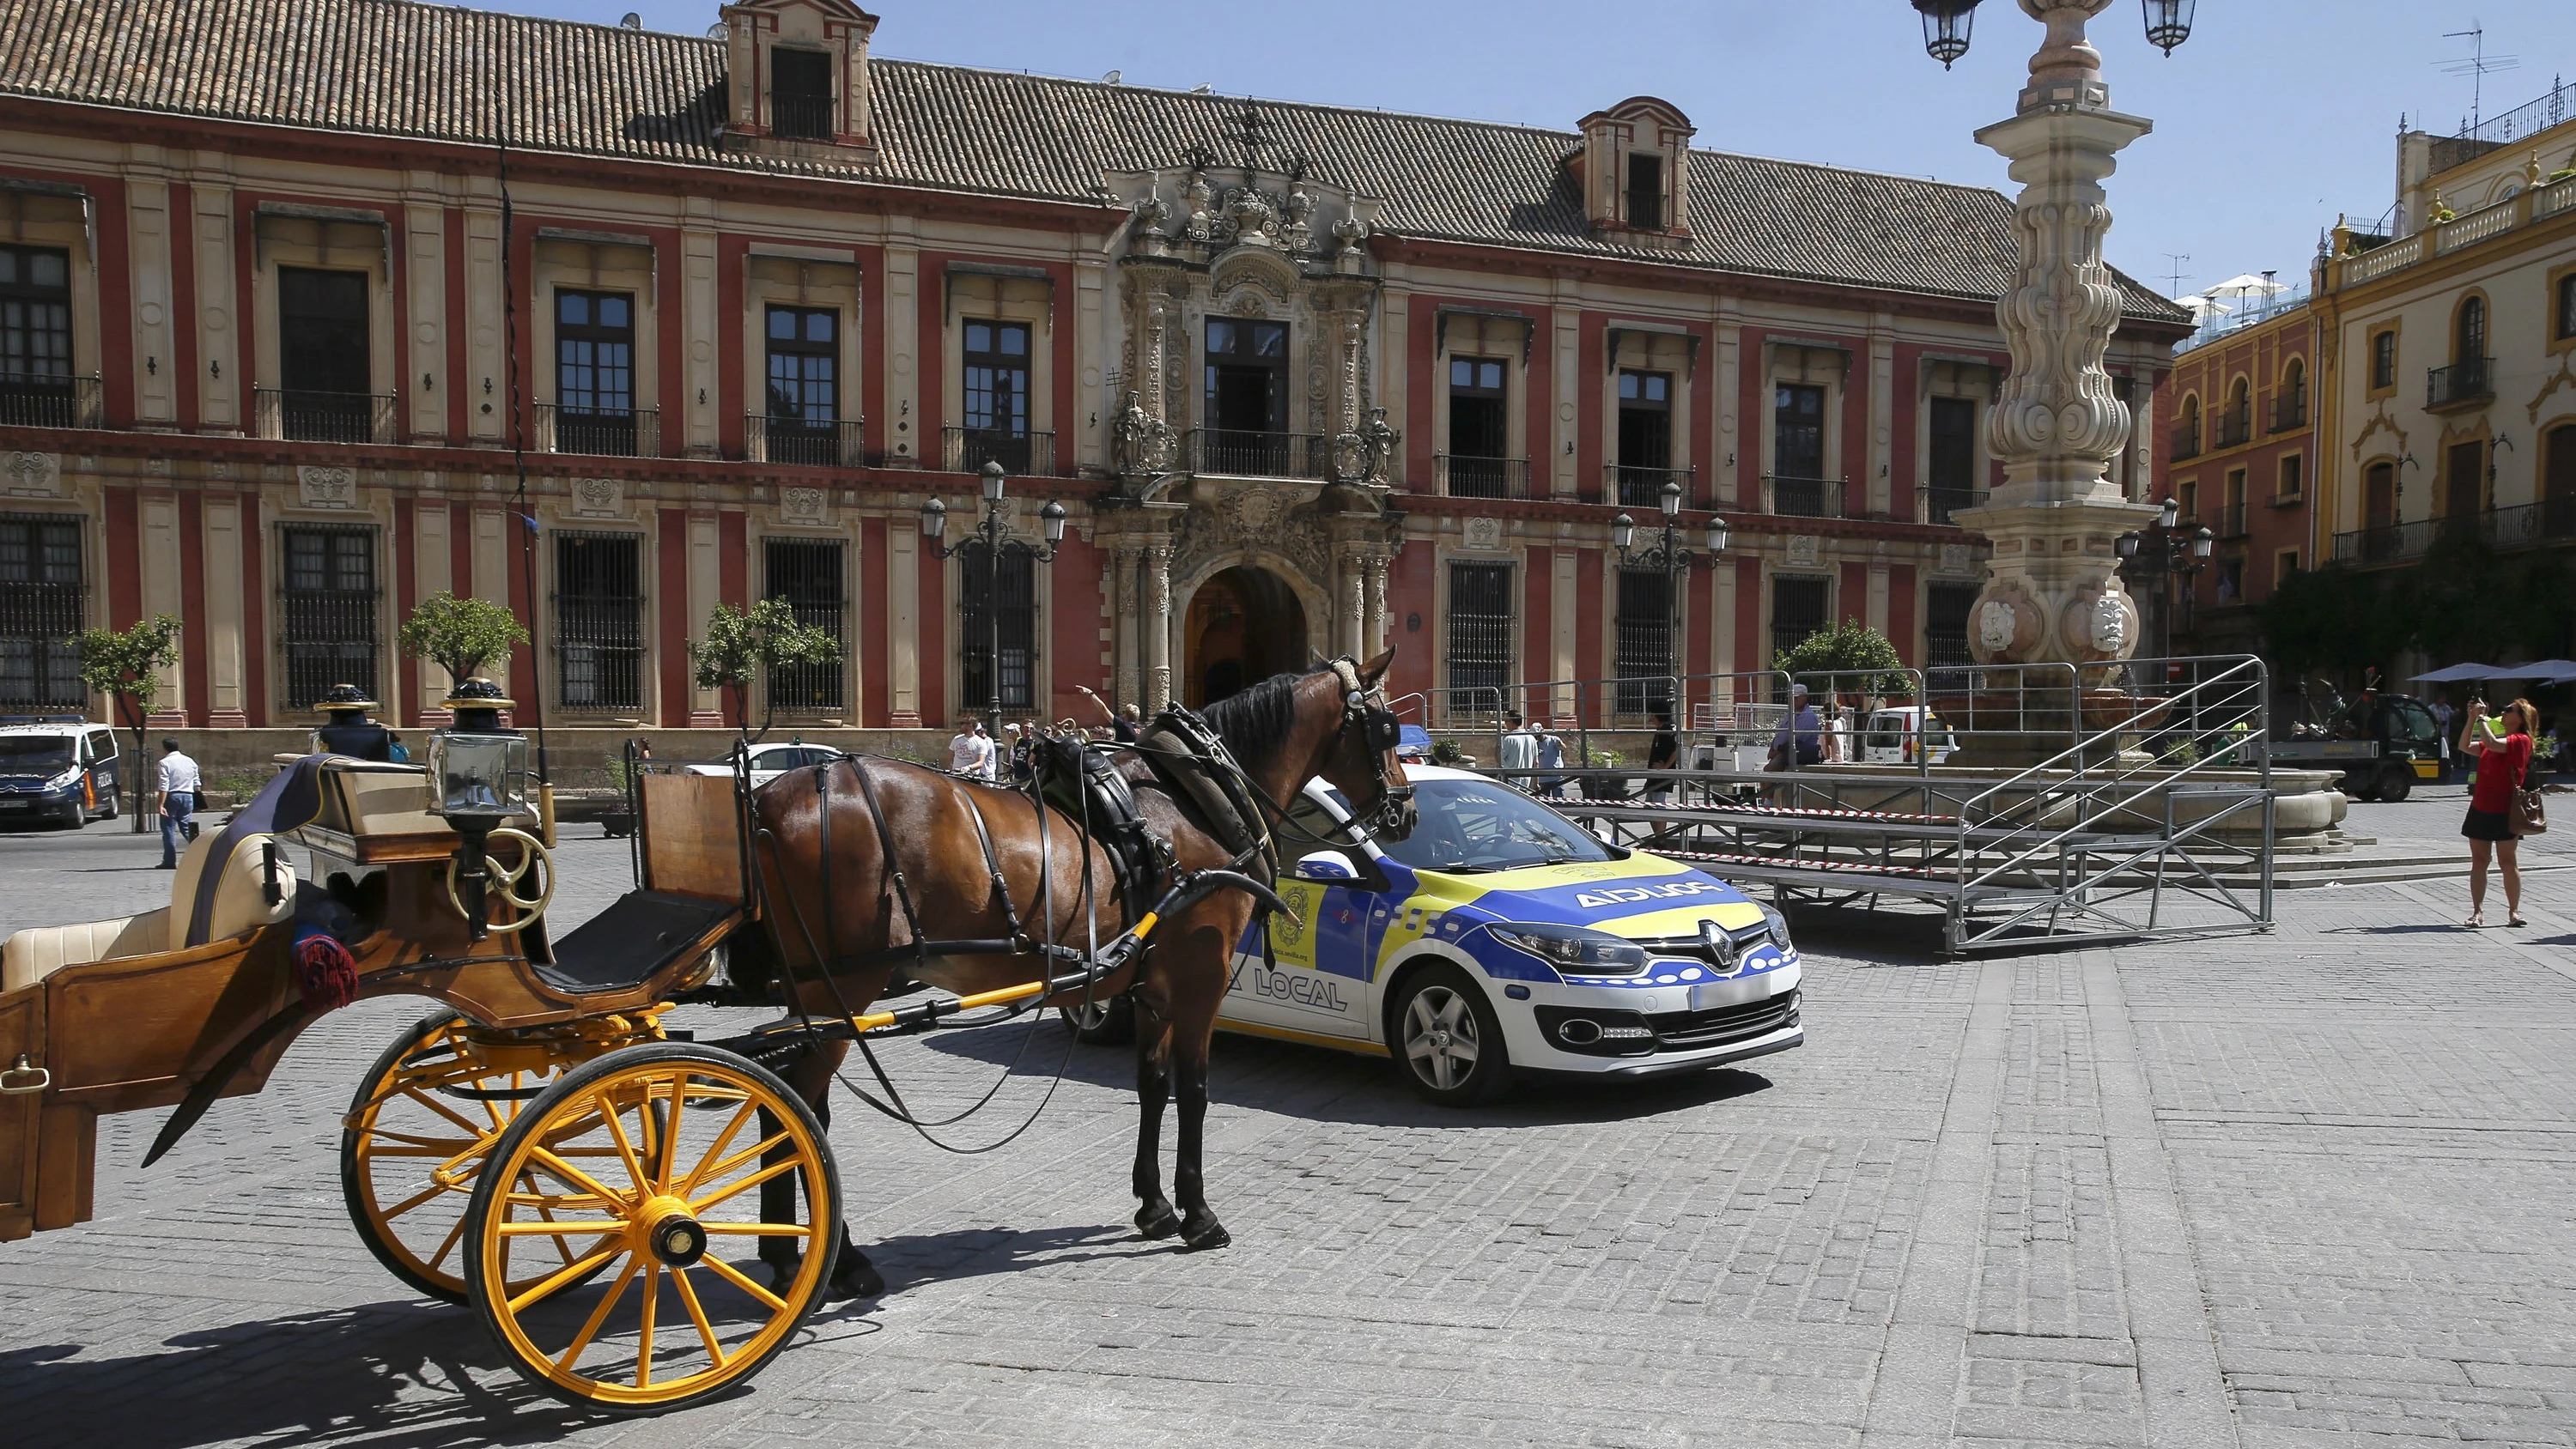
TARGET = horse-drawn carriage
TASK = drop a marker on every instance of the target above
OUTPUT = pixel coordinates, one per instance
(544, 1143)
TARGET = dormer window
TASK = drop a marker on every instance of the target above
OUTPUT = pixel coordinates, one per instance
(1646, 190)
(800, 94)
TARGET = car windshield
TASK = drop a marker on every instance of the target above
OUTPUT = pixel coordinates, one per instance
(22, 754)
(1471, 826)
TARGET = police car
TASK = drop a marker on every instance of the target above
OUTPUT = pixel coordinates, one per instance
(57, 772)
(1501, 939)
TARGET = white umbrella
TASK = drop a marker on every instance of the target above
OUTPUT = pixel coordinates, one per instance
(2202, 308)
(2247, 284)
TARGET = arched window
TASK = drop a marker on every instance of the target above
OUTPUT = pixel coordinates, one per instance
(2558, 482)
(2290, 408)
(2235, 424)
(2186, 440)
(2472, 339)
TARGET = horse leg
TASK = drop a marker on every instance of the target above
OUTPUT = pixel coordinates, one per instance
(1154, 1217)
(853, 1276)
(1192, 1035)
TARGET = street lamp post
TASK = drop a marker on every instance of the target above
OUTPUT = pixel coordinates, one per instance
(2162, 552)
(2053, 592)
(994, 536)
(1670, 554)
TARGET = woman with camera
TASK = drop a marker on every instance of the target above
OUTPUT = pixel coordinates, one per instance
(2501, 746)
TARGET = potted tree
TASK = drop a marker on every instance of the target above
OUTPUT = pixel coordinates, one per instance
(741, 645)
(460, 635)
(125, 665)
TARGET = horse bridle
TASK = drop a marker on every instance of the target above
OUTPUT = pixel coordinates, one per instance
(1364, 708)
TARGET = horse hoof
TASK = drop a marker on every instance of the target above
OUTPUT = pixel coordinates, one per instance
(861, 1281)
(1204, 1235)
(1157, 1220)
(782, 1276)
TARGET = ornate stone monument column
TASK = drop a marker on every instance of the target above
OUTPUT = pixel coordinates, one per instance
(1158, 627)
(2052, 592)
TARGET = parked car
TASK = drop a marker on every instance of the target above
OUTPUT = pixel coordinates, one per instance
(58, 772)
(768, 762)
(1897, 735)
(1500, 940)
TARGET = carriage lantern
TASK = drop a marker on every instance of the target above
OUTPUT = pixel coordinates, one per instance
(478, 771)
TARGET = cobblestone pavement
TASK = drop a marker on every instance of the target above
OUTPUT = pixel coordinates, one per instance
(2305, 1189)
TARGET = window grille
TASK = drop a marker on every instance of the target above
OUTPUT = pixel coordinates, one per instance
(599, 620)
(800, 96)
(1945, 625)
(1644, 628)
(1798, 609)
(1479, 635)
(1009, 592)
(41, 606)
(807, 573)
(327, 608)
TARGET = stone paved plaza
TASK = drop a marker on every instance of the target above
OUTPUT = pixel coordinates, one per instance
(2313, 1188)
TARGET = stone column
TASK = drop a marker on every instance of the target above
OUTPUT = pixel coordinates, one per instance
(1374, 623)
(2053, 591)
(1123, 627)
(1158, 627)
(1355, 615)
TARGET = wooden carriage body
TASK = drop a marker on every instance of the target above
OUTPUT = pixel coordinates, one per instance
(137, 1013)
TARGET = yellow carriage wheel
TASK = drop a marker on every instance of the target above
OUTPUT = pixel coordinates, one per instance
(413, 1144)
(667, 1230)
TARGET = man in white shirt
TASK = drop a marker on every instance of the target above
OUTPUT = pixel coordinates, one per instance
(1518, 751)
(178, 782)
(970, 751)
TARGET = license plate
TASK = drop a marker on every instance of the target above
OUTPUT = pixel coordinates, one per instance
(15, 804)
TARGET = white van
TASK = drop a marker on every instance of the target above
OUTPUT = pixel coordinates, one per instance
(1893, 736)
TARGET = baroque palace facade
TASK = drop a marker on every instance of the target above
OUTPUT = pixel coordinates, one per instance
(285, 281)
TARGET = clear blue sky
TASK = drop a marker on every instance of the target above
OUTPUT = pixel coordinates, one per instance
(2274, 117)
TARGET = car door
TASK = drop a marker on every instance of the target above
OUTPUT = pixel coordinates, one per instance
(102, 770)
(1316, 981)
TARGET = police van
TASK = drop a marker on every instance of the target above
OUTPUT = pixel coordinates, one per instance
(59, 771)
(1500, 940)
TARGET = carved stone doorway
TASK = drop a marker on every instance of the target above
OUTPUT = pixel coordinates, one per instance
(1244, 625)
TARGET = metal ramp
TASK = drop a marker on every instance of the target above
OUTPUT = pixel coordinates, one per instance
(2154, 817)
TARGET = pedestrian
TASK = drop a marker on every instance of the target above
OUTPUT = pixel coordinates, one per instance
(179, 783)
(1020, 768)
(970, 751)
(1663, 752)
(1551, 756)
(1125, 725)
(1516, 752)
(2502, 748)
(394, 749)
(2442, 733)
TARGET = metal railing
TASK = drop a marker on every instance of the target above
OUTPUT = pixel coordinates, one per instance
(1935, 505)
(1789, 497)
(2520, 526)
(967, 450)
(2231, 521)
(800, 118)
(2464, 383)
(2505, 129)
(1461, 476)
(1238, 452)
(42, 400)
(600, 432)
(323, 417)
(2233, 426)
(2290, 410)
(1633, 486)
(836, 443)
(2186, 440)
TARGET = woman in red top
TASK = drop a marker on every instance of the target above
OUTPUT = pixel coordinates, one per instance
(2503, 757)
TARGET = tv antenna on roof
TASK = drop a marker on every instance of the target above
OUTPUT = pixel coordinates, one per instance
(2477, 67)
(2177, 258)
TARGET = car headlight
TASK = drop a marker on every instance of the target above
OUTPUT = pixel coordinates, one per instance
(1574, 948)
(1779, 928)
(65, 780)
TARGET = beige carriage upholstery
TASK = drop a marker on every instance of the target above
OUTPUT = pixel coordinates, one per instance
(241, 904)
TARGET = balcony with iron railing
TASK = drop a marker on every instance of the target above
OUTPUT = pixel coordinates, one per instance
(2550, 521)
(821, 443)
(2231, 521)
(2465, 384)
(2232, 427)
(800, 118)
(1633, 486)
(2186, 440)
(1243, 453)
(1466, 477)
(1935, 504)
(1803, 497)
(600, 432)
(967, 450)
(46, 400)
(313, 416)
(2290, 410)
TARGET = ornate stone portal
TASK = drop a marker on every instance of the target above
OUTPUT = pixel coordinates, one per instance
(2052, 592)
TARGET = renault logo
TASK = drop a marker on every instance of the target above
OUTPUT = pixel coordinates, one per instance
(1719, 945)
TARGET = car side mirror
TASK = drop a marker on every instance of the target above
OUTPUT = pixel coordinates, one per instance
(1324, 865)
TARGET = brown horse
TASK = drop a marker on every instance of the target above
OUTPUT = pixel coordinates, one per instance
(830, 894)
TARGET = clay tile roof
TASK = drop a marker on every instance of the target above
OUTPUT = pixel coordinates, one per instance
(393, 67)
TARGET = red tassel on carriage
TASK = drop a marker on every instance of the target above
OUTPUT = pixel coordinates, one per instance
(324, 970)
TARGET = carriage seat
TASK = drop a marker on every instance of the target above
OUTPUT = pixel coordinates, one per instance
(241, 905)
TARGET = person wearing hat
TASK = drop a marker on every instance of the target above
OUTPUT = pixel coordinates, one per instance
(346, 729)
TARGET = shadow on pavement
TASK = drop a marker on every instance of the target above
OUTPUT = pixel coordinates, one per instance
(910, 1261)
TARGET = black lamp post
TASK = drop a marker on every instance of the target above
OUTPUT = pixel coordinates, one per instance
(1669, 553)
(1947, 23)
(2162, 552)
(994, 536)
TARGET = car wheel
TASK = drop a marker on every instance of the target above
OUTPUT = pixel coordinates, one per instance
(2358, 786)
(110, 812)
(1109, 1021)
(1448, 1040)
(2396, 781)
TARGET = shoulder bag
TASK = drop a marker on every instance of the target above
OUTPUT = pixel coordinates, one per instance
(2524, 815)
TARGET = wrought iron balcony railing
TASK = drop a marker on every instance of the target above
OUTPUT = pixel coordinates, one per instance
(800, 118)
(2550, 521)
(1466, 477)
(2231, 521)
(824, 443)
(1935, 504)
(42, 400)
(2290, 410)
(2186, 440)
(1635, 487)
(604, 432)
(1244, 453)
(314, 416)
(2233, 426)
(967, 450)
(2466, 383)
(1803, 497)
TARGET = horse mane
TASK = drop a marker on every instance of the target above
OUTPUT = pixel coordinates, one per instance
(1257, 720)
